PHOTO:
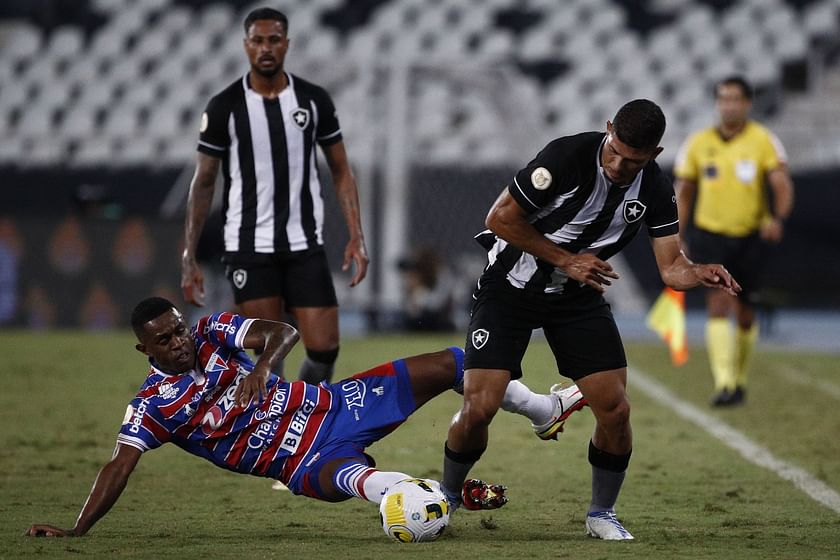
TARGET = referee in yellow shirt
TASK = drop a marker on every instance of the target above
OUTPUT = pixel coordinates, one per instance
(723, 173)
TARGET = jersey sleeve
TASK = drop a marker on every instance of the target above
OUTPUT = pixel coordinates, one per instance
(685, 162)
(663, 219)
(539, 182)
(214, 138)
(328, 131)
(226, 330)
(776, 155)
(142, 428)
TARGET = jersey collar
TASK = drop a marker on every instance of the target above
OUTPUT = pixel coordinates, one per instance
(160, 371)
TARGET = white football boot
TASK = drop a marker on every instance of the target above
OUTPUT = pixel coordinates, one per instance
(605, 525)
(569, 400)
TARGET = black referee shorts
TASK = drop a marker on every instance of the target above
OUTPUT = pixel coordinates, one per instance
(301, 278)
(743, 257)
(580, 330)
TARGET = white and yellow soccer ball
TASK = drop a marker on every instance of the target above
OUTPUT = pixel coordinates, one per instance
(414, 510)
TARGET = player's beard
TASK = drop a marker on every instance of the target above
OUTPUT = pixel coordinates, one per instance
(267, 72)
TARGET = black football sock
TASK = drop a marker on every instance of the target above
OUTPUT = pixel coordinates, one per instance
(318, 366)
(608, 473)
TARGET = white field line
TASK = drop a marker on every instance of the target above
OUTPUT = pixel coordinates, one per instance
(736, 440)
(798, 378)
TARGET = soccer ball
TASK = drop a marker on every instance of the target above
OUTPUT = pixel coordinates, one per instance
(414, 510)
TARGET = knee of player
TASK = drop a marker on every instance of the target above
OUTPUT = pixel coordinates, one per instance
(477, 412)
(615, 412)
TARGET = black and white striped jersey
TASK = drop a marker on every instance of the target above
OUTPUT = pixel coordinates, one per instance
(272, 195)
(571, 202)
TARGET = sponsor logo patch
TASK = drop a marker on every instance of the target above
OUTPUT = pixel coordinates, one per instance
(354, 395)
(205, 121)
(294, 433)
(167, 391)
(541, 178)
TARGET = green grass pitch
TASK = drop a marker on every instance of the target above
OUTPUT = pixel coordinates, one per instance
(686, 494)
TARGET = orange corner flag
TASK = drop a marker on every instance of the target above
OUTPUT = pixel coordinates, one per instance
(667, 319)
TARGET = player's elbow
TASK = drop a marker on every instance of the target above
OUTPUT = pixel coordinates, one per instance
(288, 333)
(498, 220)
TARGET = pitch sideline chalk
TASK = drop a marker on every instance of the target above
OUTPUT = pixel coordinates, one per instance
(736, 440)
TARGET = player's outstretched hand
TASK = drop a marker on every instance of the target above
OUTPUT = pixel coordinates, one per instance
(48, 531)
(590, 270)
(716, 276)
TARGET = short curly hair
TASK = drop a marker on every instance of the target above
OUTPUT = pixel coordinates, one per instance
(640, 124)
(148, 309)
(266, 13)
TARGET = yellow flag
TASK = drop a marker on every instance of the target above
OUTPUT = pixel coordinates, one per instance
(667, 319)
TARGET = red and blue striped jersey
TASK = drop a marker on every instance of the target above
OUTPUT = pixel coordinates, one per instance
(196, 410)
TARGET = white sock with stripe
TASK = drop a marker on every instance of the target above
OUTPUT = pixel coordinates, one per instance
(367, 483)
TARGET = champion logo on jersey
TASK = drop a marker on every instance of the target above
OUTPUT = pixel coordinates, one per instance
(240, 277)
(633, 211)
(480, 338)
(300, 117)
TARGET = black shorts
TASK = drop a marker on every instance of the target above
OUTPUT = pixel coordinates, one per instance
(302, 278)
(580, 330)
(742, 256)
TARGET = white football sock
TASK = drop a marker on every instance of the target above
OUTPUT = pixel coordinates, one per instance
(367, 483)
(521, 400)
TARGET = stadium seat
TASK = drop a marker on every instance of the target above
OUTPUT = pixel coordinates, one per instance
(14, 93)
(821, 19)
(129, 63)
(45, 150)
(13, 150)
(136, 151)
(19, 41)
(66, 42)
(78, 123)
(37, 120)
(93, 152)
(217, 18)
(120, 120)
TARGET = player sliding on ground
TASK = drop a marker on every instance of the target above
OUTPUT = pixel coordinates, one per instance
(205, 395)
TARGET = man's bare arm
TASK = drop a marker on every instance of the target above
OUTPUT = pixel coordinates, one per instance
(198, 208)
(508, 220)
(686, 193)
(347, 193)
(782, 186)
(275, 340)
(679, 273)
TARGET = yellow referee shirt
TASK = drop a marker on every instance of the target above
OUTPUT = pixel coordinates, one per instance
(730, 177)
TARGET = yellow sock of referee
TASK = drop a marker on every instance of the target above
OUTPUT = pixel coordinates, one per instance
(745, 340)
(720, 343)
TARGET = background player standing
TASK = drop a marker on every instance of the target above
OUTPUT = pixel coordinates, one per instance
(262, 130)
(580, 201)
(722, 177)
